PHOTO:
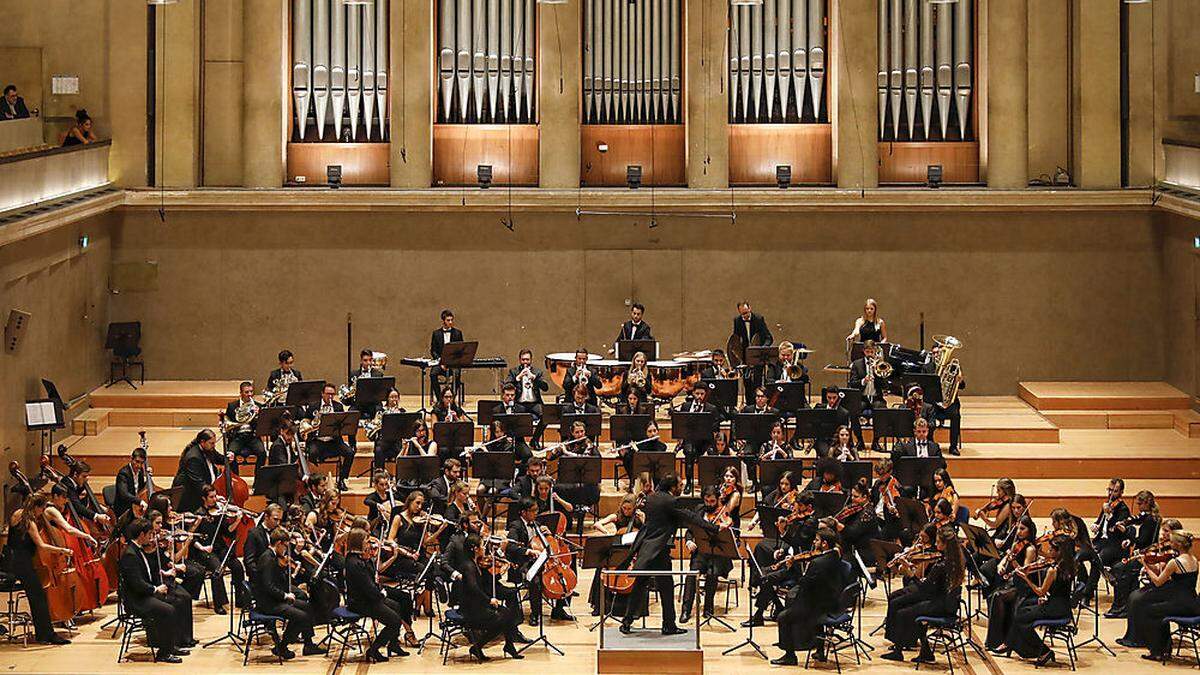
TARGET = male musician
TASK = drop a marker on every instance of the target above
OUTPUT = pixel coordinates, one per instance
(487, 610)
(274, 595)
(284, 450)
(579, 374)
(258, 539)
(693, 449)
(530, 382)
(750, 329)
(523, 531)
(439, 489)
(720, 369)
(323, 448)
(508, 402)
(1108, 541)
(364, 596)
(76, 485)
(817, 594)
(366, 368)
(286, 368)
(920, 445)
(831, 399)
(796, 535)
(651, 550)
(240, 438)
(524, 486)
(210, 551)
(884, 492)
(635, 328)
(131, 480)
(197, 468)
(914, 400)
(580, 404)
(166, 610)
(862, 377)
(784, 369)
(828, 478)
(750, 452)
(946, 413)
(713, 567)
(442, 336)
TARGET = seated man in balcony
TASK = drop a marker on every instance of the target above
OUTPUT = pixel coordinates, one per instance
(12, 106)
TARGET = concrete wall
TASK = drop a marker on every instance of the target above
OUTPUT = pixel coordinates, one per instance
(1057, 296)
(66, 291)
(1179, 263)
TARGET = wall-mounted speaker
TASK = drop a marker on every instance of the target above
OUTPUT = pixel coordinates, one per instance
(14, 330)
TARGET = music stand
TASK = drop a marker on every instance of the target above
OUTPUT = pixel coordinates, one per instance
(828, 503)
(930, 383)
(769, 470)
(579, 470)
(268, 421)
(789, 396)
(979, 540)
(657, 464)
(692, 426)
(853, 471)
(371, 390)
(767, 515)
(852, 400)
(551, 413)
(454, 435)
(418, 470)
(912, 514)
(123, 338)
(753, 427)
(603, 552)
(592, 421)
(275, 480)
(493, 465)
(712, 467)
(626, 429)
(722, 391)
(517, 425)
(719, 543)
(52, 393)
(455, 356)
(304, 393)
(397, 426)
(339, 424)
(761, 356)
(483, 411)
(627, 348)
(892, 423)
(917, 472)
(816, 423)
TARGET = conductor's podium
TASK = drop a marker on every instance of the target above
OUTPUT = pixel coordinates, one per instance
(647, 650)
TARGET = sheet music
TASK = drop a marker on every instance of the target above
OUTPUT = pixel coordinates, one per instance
(628, 537)
(536, 567)
(40, 413)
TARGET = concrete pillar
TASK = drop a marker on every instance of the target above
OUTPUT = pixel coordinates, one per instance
(409, 89)
(265, 93)
(559, 59)
(1048, 90)
(177, 142)
(707, 100)
(1098, 95)
(1007, 103)
(127, 32)
(854, 106)
(222, 97)
(1143, 146)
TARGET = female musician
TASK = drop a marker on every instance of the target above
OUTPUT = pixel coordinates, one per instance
(911, 563)
(412, 530)
(366, 597)
(937, 594)
(580, 494)
(712, 567)
(651, 443)
(868, 326)
(421, 442)
(1141, 529)
(1052, 601)
(385, 451)
(458, 504)
(210, 551)
(943, 488)
(730, 495)
(499, 441)
(942, 513)
(884, 493)
(857, 524)
(635, 403)
(720, 444)
(782, 497)
(776, 447)
(1010, 594)
(627, 518)
(842, 449)
(24, 544)
(828, 478)
(1174, 594)
(1128, 571)
(637, 377)
(1000, 508)
(549, 501)
(447, 409)
(486, 615)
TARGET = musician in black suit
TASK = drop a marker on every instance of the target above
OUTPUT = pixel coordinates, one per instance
(286, 362)
(285, 450)
(521, 533)
(439, 489)
(920, 445)
(530, 382)
(750, 329)
(258, 539)
(651, 550)
(274, 595)
(12, 106)
(75, 484)
(579, 405)
(1107, 540)
(210, 552)
(364, 596)
(580, 374)
(831, 399)
(442, 336)
(693, 449)
(321, 448)
(240, 438)
(197, 468)
(166, 610)
(946, 413)
(131, 480)
(720, 368)
(785, 368)
(861, 377)
(914, 399)
(751, 452)
(635, 328)
(366, 368)
(817, 594)
(508, 404)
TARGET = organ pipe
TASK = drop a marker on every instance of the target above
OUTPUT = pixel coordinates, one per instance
(486, 51)
(777, 61)
(339, 68)
(632, 61)
(925, 70)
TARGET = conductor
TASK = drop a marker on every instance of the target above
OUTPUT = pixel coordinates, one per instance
(651, 550)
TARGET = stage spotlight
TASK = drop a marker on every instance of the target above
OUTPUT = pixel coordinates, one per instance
(783, 175)
(633, 176)
(933, 175)
(333, 175)
(483, 173)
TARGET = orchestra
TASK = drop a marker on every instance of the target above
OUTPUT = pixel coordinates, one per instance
(827, 524)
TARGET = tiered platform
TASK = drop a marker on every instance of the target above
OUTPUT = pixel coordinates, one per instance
(1113, 405)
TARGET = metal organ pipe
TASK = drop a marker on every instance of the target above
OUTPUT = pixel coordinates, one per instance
(368, 66)
(925, 69)
(962, 65)
(783, 42)
(478, 54)
(943, 77)
(381, 65)
(337, 62)
(354, 65)
(320, 74)
(302, 83)
(486, 51)
(631, 61)
(777, 57)
(816, 55)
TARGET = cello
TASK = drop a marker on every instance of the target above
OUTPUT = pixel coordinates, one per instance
(558, 572)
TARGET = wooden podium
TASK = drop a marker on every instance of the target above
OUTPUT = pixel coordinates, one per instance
(647, 650)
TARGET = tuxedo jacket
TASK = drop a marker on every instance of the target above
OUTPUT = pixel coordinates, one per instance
(436, 341)
(640, 332)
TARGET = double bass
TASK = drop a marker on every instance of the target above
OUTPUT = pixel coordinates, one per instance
(96, 577)
(58, 575)
(236, 491)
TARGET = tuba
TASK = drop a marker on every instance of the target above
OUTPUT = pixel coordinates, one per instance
(947, 367)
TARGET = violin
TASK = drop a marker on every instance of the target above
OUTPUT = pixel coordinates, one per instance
(490, 562)
(851, 510)
(1035, 566)
(800, 557)
(995, 504)
(915, 555)
(1155, 554)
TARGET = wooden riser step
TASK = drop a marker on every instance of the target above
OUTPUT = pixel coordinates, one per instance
(1112, 419)
(1103, 396)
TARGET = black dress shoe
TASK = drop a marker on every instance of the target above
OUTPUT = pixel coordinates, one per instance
(561, 615)
(892, 655)
(707, 613)
(181, 651)
(512, 652)
(394, 649)
(625, 629)
(167, 658)
(753, 621)
(520, 638)
(534, 620)
(923, 657)
(788, 659)
(376, 656)
(1128, 643)
(1154, 657)
(283, 652)
(219, 609)
(1045, 659)
(685, 616)
(673, 630)
(57, 640)
(1115, 613)
(954, 451)
(313, 649)
(477, 652)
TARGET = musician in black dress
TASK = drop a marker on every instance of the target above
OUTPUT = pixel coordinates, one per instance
(579, 374)
(1051, 600)
(210, 550)
(442, 336)
(583, 496)
(712, 567)
(1173, 593)
(651, 550)
(198, 466)
(24, 543)
(385, 450)
(275, 595)
(381, 502)
(635, 328)
(239, 418)
(693, 449)
(625, 520)
(530, 383)
(817, 593)
(132, 479)
(1127, 573)
(414, 530)
(1008, 591)
(520, 551)
(884, 492)
(485, 613)
(364, 596)
(857, 524)
(1136, 532)
(166, 609)
(868, 327)
(937, 595)
(842, 448)
(322, 448)
(828, 478)
(647, 443)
